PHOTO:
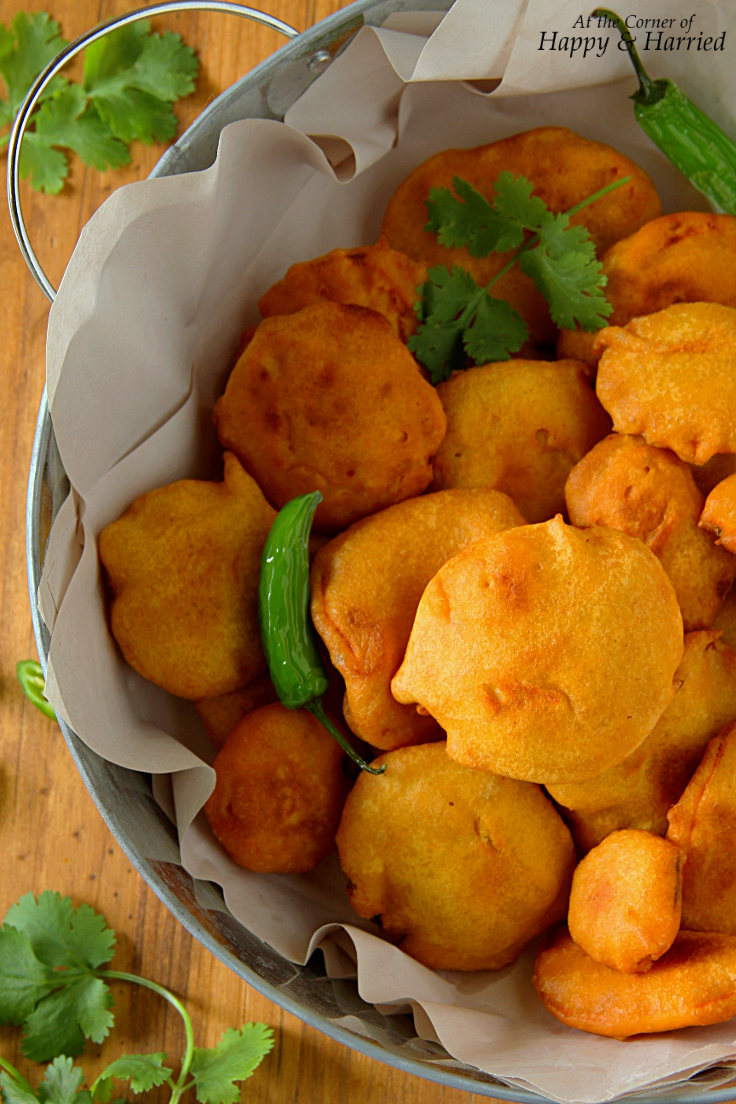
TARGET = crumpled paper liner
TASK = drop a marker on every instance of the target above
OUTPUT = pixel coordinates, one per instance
(163, 280)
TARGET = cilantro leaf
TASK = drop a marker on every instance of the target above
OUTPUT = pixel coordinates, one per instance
(67, 120)
(15, 1093)
(235, 1057)
(30, 44)
(142, 1070)
(46, 168)
(61, 1083)
(131, 114)
(23, 979)
(61, 1021)
(59, 935)
(497, 331)
(470, 221)
(166, 68)
(439, 347)
(514, 201)
(567, 273)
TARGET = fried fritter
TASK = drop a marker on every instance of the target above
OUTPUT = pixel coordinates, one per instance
(220, 715)
(461, 867)
(183, 565)
(693, 984)
(626, 899)
(703, 824)
(719, 514)
(650, 494)
(689, 257)
(638, 792)
(329, 399)
(564, 169)
(369, 276)
(366, 586)
(519, 427)
(280, 791)
(671, 377)
(545, 652)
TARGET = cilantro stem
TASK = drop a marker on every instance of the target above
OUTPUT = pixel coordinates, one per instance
(180, 1087)
(16, 1075)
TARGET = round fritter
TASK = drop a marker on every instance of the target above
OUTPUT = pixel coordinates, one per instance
(461, 867)
(183, 565)
(546, 652)
(703, 824)
(689, 257)
(719, 514)
(280, 791)
(693, 984)
(626, 899)
(638, 792)
(329, 399)
(220, 715)
(370, 276)
(366, 585)
(519, 426)
(650, 494)
(564, 169)
(671, 377)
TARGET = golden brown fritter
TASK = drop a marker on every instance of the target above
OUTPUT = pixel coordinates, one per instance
(183, 565)
(220, 715)
(671, 377)
(689, 257)
(370, 276)
(519, 427)
(461, 867)
(329, 399)
(638, 792)
(703, 824)
(626, 899)
(564, 169)
(719, 514)
(366, 586)
(650, 494)
(280, 791)
(545, 652)
(693, 984)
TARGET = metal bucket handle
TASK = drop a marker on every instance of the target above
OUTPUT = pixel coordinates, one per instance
(22, 118)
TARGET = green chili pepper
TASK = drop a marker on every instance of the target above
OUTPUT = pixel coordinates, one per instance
(30, 676)
(287, 632)
(686, 135)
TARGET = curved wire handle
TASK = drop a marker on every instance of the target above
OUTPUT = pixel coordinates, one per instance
(26, 109)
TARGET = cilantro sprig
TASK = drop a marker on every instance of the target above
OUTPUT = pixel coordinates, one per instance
(461, 319)
(52, 983)
(132, 78)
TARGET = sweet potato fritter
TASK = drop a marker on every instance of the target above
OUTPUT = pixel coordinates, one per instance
(693, 984)
(719, 514)
(519, 426)
(329, 399)
(370, 276)
(638, 792)
(183, 565)
(461, 867)
(546, 652)
(671, 377)
(564, 169)
(626, 900)
(650, 494)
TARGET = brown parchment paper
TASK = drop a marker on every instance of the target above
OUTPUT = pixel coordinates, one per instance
(163, 280)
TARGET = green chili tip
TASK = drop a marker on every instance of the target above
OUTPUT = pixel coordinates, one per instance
(30, 677)
(650, 92)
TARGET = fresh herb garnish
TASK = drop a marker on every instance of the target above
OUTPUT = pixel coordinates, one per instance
(459, 318)
(52, 983)
(131, 80)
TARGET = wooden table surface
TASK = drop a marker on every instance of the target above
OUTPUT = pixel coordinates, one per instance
(51, 835)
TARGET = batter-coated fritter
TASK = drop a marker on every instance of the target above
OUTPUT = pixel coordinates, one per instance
(546, 652)
(220, 715)
(462, 867)
(183, 565)
(671, 377)
(329, 399)
(626, 899)
(703, 824)
(693, 984)
(279, 793)
(689, 257)
(366, 586)
(719, 514)
(638, 792)
(564, 169)
(370, 276)
(519, 426)
(650, 494)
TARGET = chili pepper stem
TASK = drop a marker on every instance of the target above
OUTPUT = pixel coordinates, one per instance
(315, 708)
(648, 90)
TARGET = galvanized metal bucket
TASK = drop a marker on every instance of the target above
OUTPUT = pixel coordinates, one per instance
(124, 797)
